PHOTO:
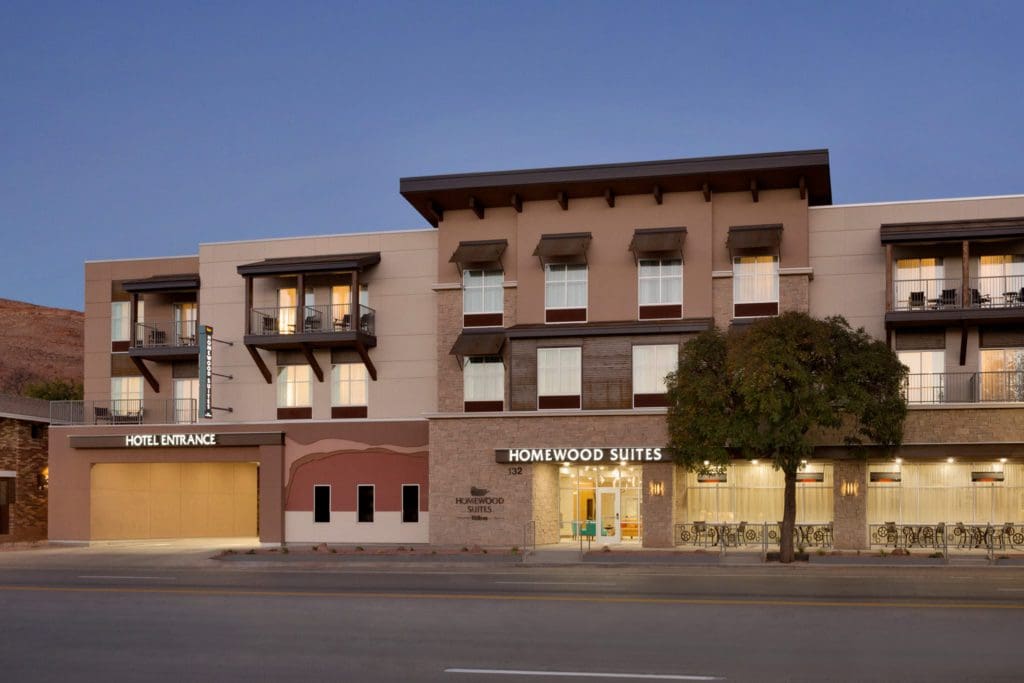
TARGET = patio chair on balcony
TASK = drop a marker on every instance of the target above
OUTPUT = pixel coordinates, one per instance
(268, 325)
(342, 324)
(916, 300)
(157, 338)
(101, 415)
(314, 321)
(978, 299)
(948, 298)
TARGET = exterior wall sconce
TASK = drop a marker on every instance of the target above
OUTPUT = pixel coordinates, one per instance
(849, 489)
(43, 479)
(657, 488)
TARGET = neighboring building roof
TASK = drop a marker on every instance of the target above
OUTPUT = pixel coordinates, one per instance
(805, 169)
(24, 408)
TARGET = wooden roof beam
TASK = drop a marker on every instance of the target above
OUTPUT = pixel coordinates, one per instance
(658, 197)
(609, 196)
(477, 206)
(517, 202)
(706, 190)
(753, 190)
(563, 200)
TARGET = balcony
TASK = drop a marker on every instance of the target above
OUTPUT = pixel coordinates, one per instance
(165, 341)
(332, 319)
(129, 411)
(1004, 291)
(965, 387)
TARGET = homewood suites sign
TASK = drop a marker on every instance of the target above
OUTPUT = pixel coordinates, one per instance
(571, 455)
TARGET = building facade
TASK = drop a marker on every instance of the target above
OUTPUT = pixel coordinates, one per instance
(23, 470)
(498, 379)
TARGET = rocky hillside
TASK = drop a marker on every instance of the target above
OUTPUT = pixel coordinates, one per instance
(38, 343)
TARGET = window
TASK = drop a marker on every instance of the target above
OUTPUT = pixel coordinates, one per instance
(651, 364)
(1001, 278)
(1002, 375)
(926, 381)
(483, 383)
(349, 384)
(185, 316)
(565, 289)
(287, 302)
(321, 504)
(364, 503)
(559, 373)
(126, 396)
(410, 503)
(121, 320)
(921, 280)
(483, 291)
(294, 387)
(661, 282)
(755, 286)
(186, 399)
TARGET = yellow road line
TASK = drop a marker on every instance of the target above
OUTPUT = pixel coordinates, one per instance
(739, 602)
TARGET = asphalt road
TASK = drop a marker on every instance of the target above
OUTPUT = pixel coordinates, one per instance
(95, 616)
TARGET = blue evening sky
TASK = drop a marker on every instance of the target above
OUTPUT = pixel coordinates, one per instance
(141, 129)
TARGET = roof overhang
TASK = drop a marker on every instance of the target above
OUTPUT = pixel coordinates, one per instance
(953, 231)
(805, 170)
(311, 264)
(181, 282)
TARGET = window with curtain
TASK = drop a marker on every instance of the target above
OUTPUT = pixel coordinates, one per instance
(126, 395)
(349, 384)
(121, 319)
(565, 285)
(922, 277)
(754, 494)
(287, 302)
(186, 399)
(651, 364)
(294, 386)
(482, 291)
(559, 371)
(755, 279)
(483, 378)
(660, 281)
(1002, 375)
(926, 380)
(1001, 277)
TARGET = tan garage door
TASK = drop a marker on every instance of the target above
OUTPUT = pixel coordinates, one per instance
(173, 500)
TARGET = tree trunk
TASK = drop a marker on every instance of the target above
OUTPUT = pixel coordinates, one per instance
(788, 518)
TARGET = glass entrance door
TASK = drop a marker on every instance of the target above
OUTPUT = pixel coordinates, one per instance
(608, 527)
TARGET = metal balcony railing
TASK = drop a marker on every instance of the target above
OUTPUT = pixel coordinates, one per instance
(314, 319)
(999, 291)
(126, 411)
(159, 335)
(923, 295)
(965, 387)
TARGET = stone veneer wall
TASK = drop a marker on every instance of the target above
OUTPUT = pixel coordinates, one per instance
(449, 326)
(794, 295)
(462, 458)
(21, 453)
(964, 425)
(850, 513)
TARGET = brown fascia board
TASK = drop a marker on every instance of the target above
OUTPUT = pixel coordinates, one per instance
(310, 264)
(776, 170)
(952, 231)
(163, 283)
(622, 328)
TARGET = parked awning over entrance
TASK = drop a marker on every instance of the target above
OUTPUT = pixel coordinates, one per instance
(754, 237)
(665, 242)
(478, 344)
(569, 247)
(479, 253)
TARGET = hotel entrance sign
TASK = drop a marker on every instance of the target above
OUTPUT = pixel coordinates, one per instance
(206, 371)
(581, 455)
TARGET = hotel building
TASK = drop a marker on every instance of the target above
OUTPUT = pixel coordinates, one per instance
(498, 378)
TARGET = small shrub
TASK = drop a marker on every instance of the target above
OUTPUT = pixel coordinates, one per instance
(936, 556)
(360, 548)
(515, 550)
(433, 552)
(229, 551)
(334, 551)
(250, 551)
(465, 549)
(285, 550)
(484, 551)
(821, 552)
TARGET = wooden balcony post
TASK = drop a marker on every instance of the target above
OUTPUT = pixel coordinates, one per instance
(300, 297)
(248, 304)
(134, 320)
(354, 312)
(888, 278)
(965, 269)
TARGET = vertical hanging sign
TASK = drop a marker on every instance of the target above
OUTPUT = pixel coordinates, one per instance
(206, 371)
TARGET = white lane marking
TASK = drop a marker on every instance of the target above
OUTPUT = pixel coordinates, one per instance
(132, 578)
(585, 674)
(554, 583)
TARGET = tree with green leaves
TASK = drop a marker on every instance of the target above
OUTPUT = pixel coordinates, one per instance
(774, 389)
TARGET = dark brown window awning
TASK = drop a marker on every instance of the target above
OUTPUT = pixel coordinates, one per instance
(665, 242)
(567, 247)
(479, 254)
(311, 264)
(755, 237)
(478, 344)
(163, 283)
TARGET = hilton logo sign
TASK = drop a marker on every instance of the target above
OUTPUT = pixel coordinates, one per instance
(479, 504)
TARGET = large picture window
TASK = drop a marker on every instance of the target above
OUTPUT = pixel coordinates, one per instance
(350, 388)
(755, 285)
(565, 292)
(121, 320)
(559, 377)
(1002, 375)
(126, 397)
(651, 364)
(660, 282)
(926, 380)
(483, 297)
(294, 386)
(483, 383)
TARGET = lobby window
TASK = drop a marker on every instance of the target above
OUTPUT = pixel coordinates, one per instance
(483, 383)
(294, 392)
(565, 292)
(126, 397)
(364, 503)
(755, 286)
(483, 297)
(651, 364)
(121, 320)
(559, 378)
(349, 390)
(321, 504)
(1002, 375)
(410, 503)
(660, 287)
